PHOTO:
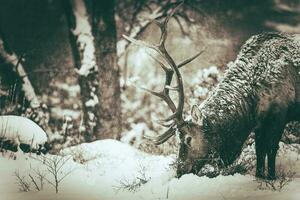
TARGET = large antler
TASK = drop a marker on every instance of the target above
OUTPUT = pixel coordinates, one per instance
(169, 66)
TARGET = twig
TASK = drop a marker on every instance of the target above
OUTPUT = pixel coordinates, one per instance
(24, 186)
(34, 182)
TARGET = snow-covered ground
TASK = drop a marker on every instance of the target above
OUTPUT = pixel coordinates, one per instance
(98, 170)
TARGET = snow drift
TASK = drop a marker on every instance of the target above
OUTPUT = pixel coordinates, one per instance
(102, 169)
(16, 130)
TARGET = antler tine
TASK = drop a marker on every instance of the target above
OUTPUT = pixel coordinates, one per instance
(160, 62)
(165, 125)
(164, 97)
(163, 137)
(174, 11)
(163, 25)
(172, 132)
(171, 117)
(141, 43)
(163, 94)
(191, 58)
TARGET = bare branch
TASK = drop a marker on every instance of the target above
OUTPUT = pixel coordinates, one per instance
(65, 175)
(34, 182)
(23, 184)
(156, 14)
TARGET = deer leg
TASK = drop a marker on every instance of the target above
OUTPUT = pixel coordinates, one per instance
(271, 163)
(268, 139)
(272, 152)
(260, 154)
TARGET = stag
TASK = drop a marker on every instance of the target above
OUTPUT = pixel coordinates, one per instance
(260, 92)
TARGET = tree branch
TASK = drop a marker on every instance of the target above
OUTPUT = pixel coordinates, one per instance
(15, 63)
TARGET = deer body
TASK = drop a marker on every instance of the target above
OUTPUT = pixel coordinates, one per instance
(259, 92)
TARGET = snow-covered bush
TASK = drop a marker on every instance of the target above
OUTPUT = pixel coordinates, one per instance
(134, 184)
(19, 132)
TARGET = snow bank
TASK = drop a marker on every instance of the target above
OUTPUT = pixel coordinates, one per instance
(101, 167)
(21, 130)
(118, 160)
(135, 135)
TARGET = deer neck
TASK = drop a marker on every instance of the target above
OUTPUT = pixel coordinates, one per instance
(228, 119)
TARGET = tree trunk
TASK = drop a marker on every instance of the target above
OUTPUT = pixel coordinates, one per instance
(83, 49)
(104, 30)
(97, 66)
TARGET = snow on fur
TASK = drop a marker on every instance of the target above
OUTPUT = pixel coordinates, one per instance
(21, 130)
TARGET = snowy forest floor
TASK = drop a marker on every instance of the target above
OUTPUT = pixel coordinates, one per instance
(109, 169)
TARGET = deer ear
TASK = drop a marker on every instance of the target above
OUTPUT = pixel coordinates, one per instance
(196, 114)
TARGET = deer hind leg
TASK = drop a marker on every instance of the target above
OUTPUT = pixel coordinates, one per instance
(267, 138)
(271, 163)
(261, 153)
(276, 124)
(272, 152)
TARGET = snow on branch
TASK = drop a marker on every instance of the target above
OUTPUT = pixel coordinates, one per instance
(15, 62)
(85, 39)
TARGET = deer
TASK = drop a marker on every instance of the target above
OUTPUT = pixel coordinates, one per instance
(259, 92)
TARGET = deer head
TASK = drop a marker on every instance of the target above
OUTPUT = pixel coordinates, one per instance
(193, 145)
